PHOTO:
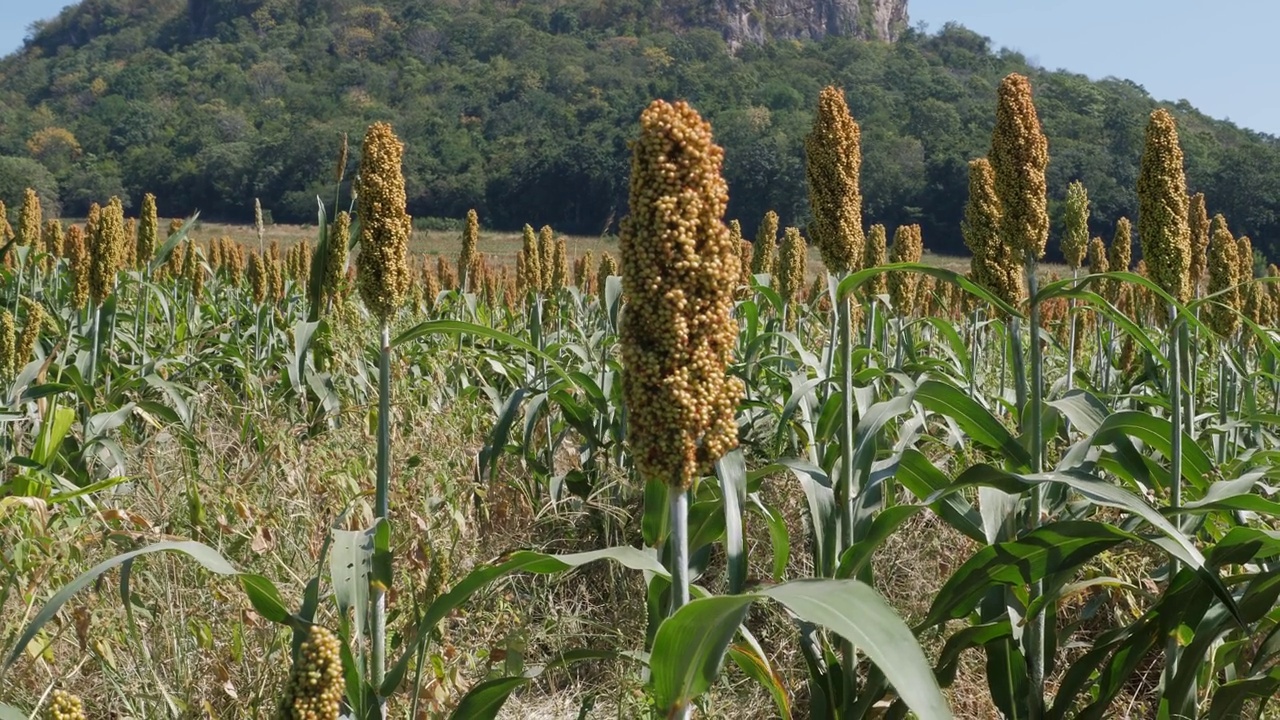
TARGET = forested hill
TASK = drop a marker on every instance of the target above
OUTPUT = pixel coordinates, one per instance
(523, 109)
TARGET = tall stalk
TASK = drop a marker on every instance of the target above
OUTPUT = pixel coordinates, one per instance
(1035, 639)
(382, 497)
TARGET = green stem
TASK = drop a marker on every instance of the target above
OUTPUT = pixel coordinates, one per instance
(1036, 626)
(381, 498)
(846, 493)
(1177, 333)
(678, 499)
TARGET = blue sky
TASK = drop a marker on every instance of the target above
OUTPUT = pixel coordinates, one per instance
(1219, 56)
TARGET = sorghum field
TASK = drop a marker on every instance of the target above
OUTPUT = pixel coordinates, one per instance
(806, 475)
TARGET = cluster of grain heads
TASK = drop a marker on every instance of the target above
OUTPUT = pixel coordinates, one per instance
(793, 258)
(278, 270)
(32, 323)
(529, 263)
(382, 268)
(53, 240)
(447, 273)
(546, 257)
(336, 263)
(993, 265)
(908, 247)
(560, 267)
(257, 274)
(65, 706)
(1075, 241)
(834, 162)
(106, 250)
(30, 218)
(78, 264)
(1119, 256)
(468, 256)
(766, 247)
(8, 347)
(430, 284)
(148, 231)
(608, 268)
(875, 254)
(582, 269)
(1250, 297)
(1198, 226)
(299, 262)
(1162, 208)
(1019, 155)
(315, 687)
(679, 270)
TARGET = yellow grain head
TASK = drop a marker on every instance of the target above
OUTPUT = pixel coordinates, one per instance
(257, 273)
(467, 257)
(582, 274)
(608, 268)
(834, 165)
(130, 243)
(274, 265)
(908, 247)
(54, 240)
(546, 256)
(679, 271)
(30, 218)
(78, 262)
(792, 262)
(1250, 298)
(560, 266)
(1019, 155)
(745, 261)
(382, 268)
(65, 706)
(31, 325)
(315, 688)
(340, 170)
(766, 247)
(531, 281)
(430, 285)
(1162, 208)
(876, 253)
(190, 261)
(993, 264)
(1198, 226)
(1119, 255)
(6, 230)
(8, 347)
(336, 265)
(448, 276)
(304, 263)
(106, 250)
(1075, 241)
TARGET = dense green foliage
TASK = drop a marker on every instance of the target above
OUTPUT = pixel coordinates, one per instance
(523, 112)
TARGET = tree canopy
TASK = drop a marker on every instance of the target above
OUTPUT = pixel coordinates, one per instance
(522, 110)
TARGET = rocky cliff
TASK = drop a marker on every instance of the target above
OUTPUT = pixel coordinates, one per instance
(753, 21)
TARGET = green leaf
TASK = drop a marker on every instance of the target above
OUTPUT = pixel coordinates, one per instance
(856, 612)
(1047, 550)
(483, 701)
(350, 563)
(53, 430)
(976, 421)
(265, 598)
(690, 647)
(732, 472)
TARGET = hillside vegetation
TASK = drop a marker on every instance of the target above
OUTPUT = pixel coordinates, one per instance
(522, 110)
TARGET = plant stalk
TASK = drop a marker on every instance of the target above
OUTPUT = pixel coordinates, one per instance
(381, 499)
(679, 507)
